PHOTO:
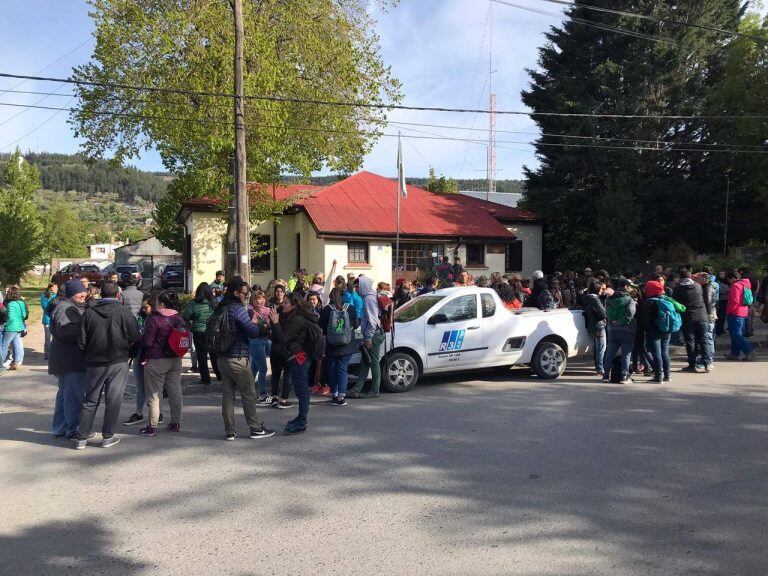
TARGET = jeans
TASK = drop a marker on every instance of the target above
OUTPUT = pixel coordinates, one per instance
(111, 381)
(141, 393)
(69, 402)
(46, 340)
(12, 340)
(374, 366)
(625, 346)
(599, 339)
(658, 345)
(738, 342)
(710, 345)
(236, 375)
(338, 376)
(260, 347)
(193, 353)
(722, 305)
(695, 334)
(300, 379)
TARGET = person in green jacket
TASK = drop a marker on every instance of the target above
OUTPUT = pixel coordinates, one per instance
(15, 326)
(46, 299)
(197, 313)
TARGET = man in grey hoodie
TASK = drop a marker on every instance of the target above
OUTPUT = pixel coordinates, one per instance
(373, 338)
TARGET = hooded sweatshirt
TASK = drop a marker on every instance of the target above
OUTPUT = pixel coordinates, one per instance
(107, 331)
(369, 322)
(690, 294)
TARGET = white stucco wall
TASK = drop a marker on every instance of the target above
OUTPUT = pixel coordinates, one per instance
(533, 243)
(379, 266)
(208, 232)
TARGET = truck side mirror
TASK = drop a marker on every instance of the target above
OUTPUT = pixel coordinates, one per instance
(438, 318)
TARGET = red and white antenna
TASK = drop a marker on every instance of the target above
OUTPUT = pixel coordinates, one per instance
(491, 167)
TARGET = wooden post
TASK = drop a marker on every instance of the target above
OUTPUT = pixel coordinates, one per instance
(243, 265)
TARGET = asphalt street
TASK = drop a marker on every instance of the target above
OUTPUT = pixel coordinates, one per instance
(486, 473)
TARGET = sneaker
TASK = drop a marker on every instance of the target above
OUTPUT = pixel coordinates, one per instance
(79, 443)
(730, 357)
(599, 374)
(284, 405)
(708, 369)
(230, 436)
(315, 390)
(13, 366)
(263, 399)
(193, 370)
(352, 394)
(275, 402)
(174, 427)
(627, 381)
(261, 432)
(665, 379)
(148, 431)
(751, 356)
(134, 419)
(160, 419)
(294, 428)
(691, 369)
(338, 401)
(657, 380)
(111, 441)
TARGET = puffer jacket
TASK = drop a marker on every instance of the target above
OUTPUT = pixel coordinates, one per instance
(594, 313)
(292, 332)
(735, 296)
(197, 313)
(690, 295)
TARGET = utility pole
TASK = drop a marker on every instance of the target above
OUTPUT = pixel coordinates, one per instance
(491, 158)
(243, 264)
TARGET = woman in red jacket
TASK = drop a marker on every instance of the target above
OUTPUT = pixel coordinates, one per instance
(737, 312)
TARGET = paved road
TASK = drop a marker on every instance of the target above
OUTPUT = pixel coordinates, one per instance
(497, 475)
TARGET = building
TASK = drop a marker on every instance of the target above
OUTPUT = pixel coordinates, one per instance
(150, 256)
(354, 222)
(101, 252)
(510, 199)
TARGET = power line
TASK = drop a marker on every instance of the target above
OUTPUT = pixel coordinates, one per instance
(732, 33)
(36, 128)
(388, 106)
(665, 147)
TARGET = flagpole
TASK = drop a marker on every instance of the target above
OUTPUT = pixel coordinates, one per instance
(397, 237)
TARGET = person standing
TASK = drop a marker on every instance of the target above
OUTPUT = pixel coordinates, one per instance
(138, 369)
(737, 313)
(47, 298)
(724, 288)
(338, 322)
(620, 314)
(197, 313)
(294, 333)
(162, 368)
(15, 328)
(373, 338)
(352, 298)
(132, 296)
(458, 269)
(595, 319)
(235, 362)
(656, 341)
(710, 290)
(695, 320)
(218, 283)
(260, 346)
(66, 360)
(108, 330)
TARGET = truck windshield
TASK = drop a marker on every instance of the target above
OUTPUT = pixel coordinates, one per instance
(416, 308)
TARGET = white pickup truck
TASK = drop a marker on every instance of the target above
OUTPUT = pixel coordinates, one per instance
(469, 328)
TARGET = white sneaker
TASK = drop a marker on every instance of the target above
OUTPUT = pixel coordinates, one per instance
(751, 356)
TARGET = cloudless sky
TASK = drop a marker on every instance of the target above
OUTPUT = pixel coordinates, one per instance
(438, 49)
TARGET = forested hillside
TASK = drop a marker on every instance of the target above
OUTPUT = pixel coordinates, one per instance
(473, 184)
(65, 172)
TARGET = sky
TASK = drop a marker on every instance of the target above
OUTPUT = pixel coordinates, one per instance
(438, 49)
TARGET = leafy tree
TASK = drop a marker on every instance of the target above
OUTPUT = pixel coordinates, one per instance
(442, 185)
(20, 228)
(102, 234)
(64, 235)
(133, 234)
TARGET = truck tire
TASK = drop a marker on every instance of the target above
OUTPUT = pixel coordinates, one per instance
(400, 372)
(549, 361)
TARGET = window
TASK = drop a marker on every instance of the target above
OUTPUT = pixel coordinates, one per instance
(416, 308)
(514, 257)
(461, 308)
(261, 252)
(413, 256)
(488, 304)
(357, 252)
(475, 254)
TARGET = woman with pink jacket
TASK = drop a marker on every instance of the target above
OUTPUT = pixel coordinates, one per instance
(736, 312)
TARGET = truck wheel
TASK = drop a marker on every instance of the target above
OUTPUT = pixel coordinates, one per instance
(549, 361)
(401, 372)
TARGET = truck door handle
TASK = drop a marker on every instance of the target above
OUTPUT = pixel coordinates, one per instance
(473, 327)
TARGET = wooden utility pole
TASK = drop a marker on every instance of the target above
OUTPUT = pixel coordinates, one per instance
(243, 265)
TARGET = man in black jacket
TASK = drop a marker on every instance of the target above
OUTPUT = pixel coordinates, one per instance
(695, 320)
(108, 330)
(66, 360)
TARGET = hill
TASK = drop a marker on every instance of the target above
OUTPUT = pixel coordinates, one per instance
(506, 186)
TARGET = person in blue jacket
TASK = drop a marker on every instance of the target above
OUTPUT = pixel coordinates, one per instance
(46, 299)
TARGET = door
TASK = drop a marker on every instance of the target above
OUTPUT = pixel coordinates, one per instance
(454, 335)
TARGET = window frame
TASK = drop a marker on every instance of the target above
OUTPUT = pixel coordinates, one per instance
(354, 250)
(258, 261)
(454, 300)
(473, 263)
(509, 256)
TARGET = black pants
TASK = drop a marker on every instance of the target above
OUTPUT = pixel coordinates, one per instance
(111, 381)
(279, 367)
(720, 323)
(202, 358)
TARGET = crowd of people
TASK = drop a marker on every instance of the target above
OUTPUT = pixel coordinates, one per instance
(310, 329)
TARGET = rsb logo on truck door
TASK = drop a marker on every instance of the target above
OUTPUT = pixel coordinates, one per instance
(452, 340)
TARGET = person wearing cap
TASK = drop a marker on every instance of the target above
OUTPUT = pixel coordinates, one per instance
(66, 360)
(656, 341)
(620, 311)
(695, 320)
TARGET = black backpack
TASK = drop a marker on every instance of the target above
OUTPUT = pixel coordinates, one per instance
(3, 315)
(315, 341)
(219, 335)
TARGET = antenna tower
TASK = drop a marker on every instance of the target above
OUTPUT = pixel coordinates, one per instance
(491, 168)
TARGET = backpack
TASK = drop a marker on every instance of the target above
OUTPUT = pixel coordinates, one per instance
(386, 313)
(315, 344)
(616, 311)
(747, 298)
(178, 340)
(219, 335)
(668, 321)
(545, 300)
(339, 330)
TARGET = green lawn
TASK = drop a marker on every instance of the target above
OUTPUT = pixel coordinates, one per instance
(31, 293)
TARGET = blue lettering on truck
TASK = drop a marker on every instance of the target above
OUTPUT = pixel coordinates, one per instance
(452, 340)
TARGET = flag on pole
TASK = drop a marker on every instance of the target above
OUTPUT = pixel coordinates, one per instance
(401, 189)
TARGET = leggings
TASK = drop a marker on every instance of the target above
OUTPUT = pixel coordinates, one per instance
(279, 368)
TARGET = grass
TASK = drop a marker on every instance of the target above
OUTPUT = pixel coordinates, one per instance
(31, 292)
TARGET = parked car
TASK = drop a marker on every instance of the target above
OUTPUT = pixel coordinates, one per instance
(125, 271)
(89, 271)
(469, 328)
(172, 276)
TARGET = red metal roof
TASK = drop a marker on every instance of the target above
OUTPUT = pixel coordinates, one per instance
(365, 203)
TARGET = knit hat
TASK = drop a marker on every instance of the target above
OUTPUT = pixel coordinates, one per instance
(72, 287)
(654, 288)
